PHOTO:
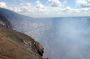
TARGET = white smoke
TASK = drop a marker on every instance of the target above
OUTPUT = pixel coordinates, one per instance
(63, 38)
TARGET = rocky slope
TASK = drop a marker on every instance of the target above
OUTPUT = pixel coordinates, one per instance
(16, 45)
(13, 44)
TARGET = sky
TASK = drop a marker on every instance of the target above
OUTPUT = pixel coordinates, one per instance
(48, 8)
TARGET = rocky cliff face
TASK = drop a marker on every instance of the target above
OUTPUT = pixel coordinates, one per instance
(4, 22)
(16, 45)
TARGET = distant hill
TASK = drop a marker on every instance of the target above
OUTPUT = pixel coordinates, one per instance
(9, 17)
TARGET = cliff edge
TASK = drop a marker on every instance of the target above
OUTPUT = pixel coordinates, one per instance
(16, 45)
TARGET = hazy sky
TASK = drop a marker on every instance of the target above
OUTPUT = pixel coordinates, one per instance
(49, 8)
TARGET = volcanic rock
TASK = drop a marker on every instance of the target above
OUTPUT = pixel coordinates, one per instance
(16, 45)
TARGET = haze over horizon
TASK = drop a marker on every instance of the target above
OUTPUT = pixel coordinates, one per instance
(48, 8)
